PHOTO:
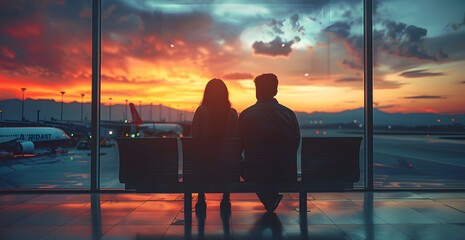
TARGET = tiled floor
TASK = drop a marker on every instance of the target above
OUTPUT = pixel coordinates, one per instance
(386, 215)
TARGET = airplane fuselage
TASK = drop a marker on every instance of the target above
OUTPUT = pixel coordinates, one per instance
(14, 138)
(160, 129)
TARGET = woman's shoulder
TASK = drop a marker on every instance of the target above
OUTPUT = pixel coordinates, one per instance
(201, 109)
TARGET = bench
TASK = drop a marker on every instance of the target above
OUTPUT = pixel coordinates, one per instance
(186, 165)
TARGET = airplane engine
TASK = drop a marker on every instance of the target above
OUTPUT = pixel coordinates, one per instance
(24, 147)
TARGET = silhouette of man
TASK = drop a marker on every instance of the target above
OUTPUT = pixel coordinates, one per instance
(267, 119)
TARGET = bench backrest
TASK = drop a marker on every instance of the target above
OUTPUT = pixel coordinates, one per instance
(331, 158)
(148, 160)
(271, 160)
(211, 160)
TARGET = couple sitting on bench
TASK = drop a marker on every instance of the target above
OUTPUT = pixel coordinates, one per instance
(266, 119)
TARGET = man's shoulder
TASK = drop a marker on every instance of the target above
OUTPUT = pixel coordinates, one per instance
(284, 108)
(248, 110)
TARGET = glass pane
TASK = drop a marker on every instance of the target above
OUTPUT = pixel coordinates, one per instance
(159, 55)
(45, 74)
(418, 95)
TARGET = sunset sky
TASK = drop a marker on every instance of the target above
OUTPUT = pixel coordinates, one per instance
(166, 51)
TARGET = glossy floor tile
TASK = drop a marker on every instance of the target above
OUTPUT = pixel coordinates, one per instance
(329, 216)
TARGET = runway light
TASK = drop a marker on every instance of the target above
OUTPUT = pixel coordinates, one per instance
(132, 135)
(439, 120)
(324, 132)
(355, 121)
(72, 135)
(453, 120)
(129, 121)
(283, 45)
(411, 165)
(110, 132)
(180, 135)
(90, 136)
(306, 74)
(164, 136)
(317, 132)
(172, 45)
(125, 121)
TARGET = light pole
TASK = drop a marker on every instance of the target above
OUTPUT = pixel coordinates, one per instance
(22, 105)
(126, 109)
(140, 109)
(62, 93)
(109, 114)
(161, 119)
(38, 112)
(151, 111)
(82, 106)
(169, 113)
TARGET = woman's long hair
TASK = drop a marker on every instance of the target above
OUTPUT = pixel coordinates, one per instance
(216, 99)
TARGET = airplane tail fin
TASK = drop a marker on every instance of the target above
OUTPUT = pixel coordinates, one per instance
(136, 120)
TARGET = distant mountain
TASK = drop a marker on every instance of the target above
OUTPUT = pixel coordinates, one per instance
(11, 110)
(380, 118)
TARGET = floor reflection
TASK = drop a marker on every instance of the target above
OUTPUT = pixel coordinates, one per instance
(368, 215)
(96, 216)
(388, 215)
(266, 224)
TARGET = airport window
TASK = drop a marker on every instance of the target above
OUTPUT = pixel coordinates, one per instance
(418, 94)
(45, 55)
(157, 57)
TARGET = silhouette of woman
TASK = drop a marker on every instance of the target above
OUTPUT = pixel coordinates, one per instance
(215, 119)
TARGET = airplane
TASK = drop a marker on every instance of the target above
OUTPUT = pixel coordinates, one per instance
(23, 140)
(155, 129)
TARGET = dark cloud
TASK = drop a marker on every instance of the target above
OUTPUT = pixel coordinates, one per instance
(456, 26)
(399, 39)
(341, 29)
(276, 25)
(348, 80)
(394, 29)
(352, 63)
(237, 76)
(295, 23)
(415, 33)
(420, 74)
(406, 41)
(425, 97)
(274, 48)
